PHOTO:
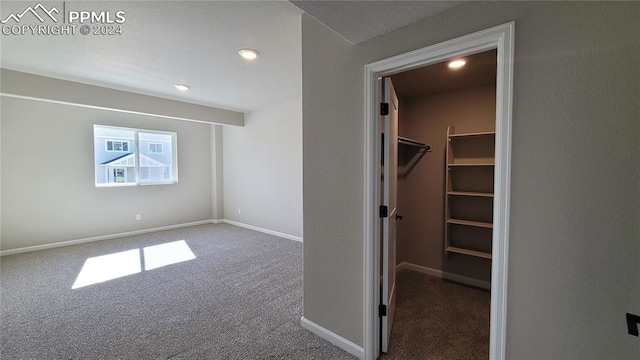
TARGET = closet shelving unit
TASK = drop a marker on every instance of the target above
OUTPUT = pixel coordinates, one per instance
(469, 194)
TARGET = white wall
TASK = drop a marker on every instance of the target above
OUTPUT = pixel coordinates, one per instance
(574, 254)
(47, 167)
(48, 191)
(333, 181)
(217, 179)
(262, 169)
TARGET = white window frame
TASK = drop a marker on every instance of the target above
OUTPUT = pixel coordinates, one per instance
(136, 142)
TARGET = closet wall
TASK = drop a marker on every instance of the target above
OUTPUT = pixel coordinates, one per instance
(421, 192)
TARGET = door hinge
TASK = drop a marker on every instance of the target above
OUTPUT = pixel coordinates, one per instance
(384, 109)
(632, 324)
(382, 310)
(384, 211)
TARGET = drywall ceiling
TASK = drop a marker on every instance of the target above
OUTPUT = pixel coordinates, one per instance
(358, 21)
(196, 43)
(169, 42)
(480, 69)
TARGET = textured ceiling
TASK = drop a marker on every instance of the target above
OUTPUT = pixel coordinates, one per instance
(358, 21)
(169, 42)
(196, 43)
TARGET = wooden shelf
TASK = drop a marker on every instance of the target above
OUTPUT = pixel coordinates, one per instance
(457, 250)
(470, 223)
(485, 133)
(469, 193)
(472, 164)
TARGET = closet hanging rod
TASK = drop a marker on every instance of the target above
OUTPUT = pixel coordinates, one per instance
(412, 142)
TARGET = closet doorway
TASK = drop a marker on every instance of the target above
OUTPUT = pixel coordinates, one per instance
(446, 195)
(494, 44)
(445, 199)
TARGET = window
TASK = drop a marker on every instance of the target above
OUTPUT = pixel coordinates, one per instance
(115, 145)
(125, 156)
(119, 175)
(155, 148)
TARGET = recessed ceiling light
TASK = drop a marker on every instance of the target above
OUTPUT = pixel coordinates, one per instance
(182, 87)
(457, 64)
(248, 54)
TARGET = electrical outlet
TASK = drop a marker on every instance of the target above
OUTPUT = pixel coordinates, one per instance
(138, 217)
(239, 211)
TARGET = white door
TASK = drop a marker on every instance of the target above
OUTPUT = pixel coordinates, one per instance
(390, 169)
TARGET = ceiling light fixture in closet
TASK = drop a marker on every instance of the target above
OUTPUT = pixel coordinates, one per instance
(457, 64)
(248, 54)
(182, 87)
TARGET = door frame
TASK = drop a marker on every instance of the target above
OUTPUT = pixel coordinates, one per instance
(501, 38)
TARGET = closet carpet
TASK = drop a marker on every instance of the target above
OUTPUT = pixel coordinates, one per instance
(438, 319)
(239, 298)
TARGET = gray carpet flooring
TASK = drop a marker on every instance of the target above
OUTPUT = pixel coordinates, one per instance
(240, 298)
(437, 319)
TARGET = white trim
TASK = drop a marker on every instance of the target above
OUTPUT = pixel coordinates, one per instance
(502, 198)
(262, 230)
(145, 231)
(333, 338)
(372, 200)
(500, 37)
(445, 275)
(100, 238)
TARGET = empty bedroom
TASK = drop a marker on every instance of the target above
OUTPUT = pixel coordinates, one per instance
(202, 180)
(152, 190)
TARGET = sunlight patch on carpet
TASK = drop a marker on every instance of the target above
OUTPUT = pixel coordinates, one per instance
(99, 269)
(108, 267)
(166, 254)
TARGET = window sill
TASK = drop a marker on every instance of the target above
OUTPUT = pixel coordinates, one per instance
(135, 184)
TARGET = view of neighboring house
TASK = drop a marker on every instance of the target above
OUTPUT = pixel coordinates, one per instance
(130, 156)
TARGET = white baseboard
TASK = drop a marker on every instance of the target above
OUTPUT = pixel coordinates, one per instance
(145, 231)
(445, 275)
(262, 230)
(100, 238)
(333, 338)
(420, 269)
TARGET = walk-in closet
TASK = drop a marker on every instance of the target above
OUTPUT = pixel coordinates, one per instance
(445, 200)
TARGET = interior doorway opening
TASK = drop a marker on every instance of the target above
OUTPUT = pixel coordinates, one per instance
(444, 191)
(446, 197)
(499, 39)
